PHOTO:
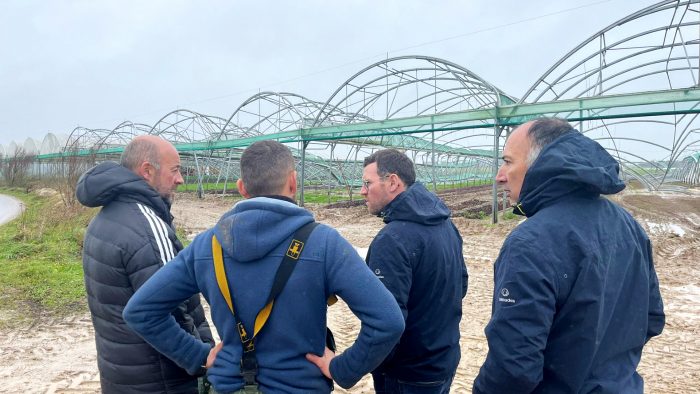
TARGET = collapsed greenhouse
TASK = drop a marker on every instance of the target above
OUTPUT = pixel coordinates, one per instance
(632, 86)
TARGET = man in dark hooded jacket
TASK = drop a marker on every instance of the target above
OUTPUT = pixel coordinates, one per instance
(418, 257)
(576, 296)
(125, 244)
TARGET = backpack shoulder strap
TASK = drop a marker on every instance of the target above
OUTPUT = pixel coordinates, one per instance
(284, 271)
(220, 272)
(290, 259)
(249, 364)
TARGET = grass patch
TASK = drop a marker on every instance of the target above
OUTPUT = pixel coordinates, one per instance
(476, 215)
(324, 198)
(40, 259)
(459, 185)
(318, 194)
(191, 186)
(181, 233)
(509, 215)
(502, 217)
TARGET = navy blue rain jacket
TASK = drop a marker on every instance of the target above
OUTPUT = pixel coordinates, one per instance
(418, 257)
(576, 296)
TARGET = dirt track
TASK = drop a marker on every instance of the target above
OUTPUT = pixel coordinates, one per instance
(59, 356)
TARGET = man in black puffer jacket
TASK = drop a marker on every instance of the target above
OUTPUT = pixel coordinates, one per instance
(127, 242)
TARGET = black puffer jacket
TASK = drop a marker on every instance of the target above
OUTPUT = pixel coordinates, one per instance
(128, 241)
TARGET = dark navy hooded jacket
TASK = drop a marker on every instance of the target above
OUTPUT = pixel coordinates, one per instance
(418, 257)
(576, 296)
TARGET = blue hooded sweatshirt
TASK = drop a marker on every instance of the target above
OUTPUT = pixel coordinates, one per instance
(576, 296)
(254, 236)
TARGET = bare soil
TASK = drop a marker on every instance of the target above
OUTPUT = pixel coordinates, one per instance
(58, 356)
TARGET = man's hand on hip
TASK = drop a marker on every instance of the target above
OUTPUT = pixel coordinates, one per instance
(323, 363)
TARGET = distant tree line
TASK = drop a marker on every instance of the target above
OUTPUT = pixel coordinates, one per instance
(15, 168)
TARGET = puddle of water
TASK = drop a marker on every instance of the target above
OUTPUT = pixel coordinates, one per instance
(659, 228)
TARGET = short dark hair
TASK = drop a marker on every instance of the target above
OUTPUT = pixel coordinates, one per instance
(544, 131)
(138, 151)
(265, 166)
(391, 161)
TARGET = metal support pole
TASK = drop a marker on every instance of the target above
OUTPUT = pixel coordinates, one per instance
(200, 188)
(228, 170)
(354, 171)
(432, 152)
(504, 199)
(218, 176)
(303, 165)
(330, 173)
(494, 202)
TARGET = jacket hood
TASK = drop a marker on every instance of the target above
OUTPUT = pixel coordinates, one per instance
(416, 204)
(109, 181)
(254, 227)
(571, 165)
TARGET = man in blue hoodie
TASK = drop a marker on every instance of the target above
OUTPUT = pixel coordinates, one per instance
(576, 296)
(255, 236)
(418, 257)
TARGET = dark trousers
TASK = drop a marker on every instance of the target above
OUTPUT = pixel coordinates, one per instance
(384, 384)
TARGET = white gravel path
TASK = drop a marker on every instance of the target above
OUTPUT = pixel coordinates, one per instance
(10, 208)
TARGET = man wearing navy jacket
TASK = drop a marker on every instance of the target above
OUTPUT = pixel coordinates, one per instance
(576, 296)
(418, 257)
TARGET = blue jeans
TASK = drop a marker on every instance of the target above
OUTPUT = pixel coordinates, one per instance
(384, 384)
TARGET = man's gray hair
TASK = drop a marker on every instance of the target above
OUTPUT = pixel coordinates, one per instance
(265, 166)
(138, 151)
(543, 132)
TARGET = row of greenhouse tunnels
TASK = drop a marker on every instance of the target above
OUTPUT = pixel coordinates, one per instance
(652, 50)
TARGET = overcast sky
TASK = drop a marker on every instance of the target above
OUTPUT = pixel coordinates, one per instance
(96, 64)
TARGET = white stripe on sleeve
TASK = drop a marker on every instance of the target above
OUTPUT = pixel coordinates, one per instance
(156, 233)
(163, 230)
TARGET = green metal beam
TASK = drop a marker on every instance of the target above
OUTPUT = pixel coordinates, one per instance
(415, 143)
(668, 102)
(588, 108)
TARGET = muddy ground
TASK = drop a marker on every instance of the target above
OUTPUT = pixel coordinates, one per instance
(58, 356)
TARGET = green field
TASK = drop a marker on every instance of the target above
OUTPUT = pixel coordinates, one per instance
(316, 194)
(208, 187)
(40, 263)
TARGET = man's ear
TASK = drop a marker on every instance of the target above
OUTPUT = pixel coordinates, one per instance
(396, 184)
(146, 171)
(292, 183)
(241, 188)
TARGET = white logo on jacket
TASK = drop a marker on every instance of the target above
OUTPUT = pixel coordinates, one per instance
(504, 294)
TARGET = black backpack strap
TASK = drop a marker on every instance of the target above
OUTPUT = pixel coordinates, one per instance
(290, 259)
